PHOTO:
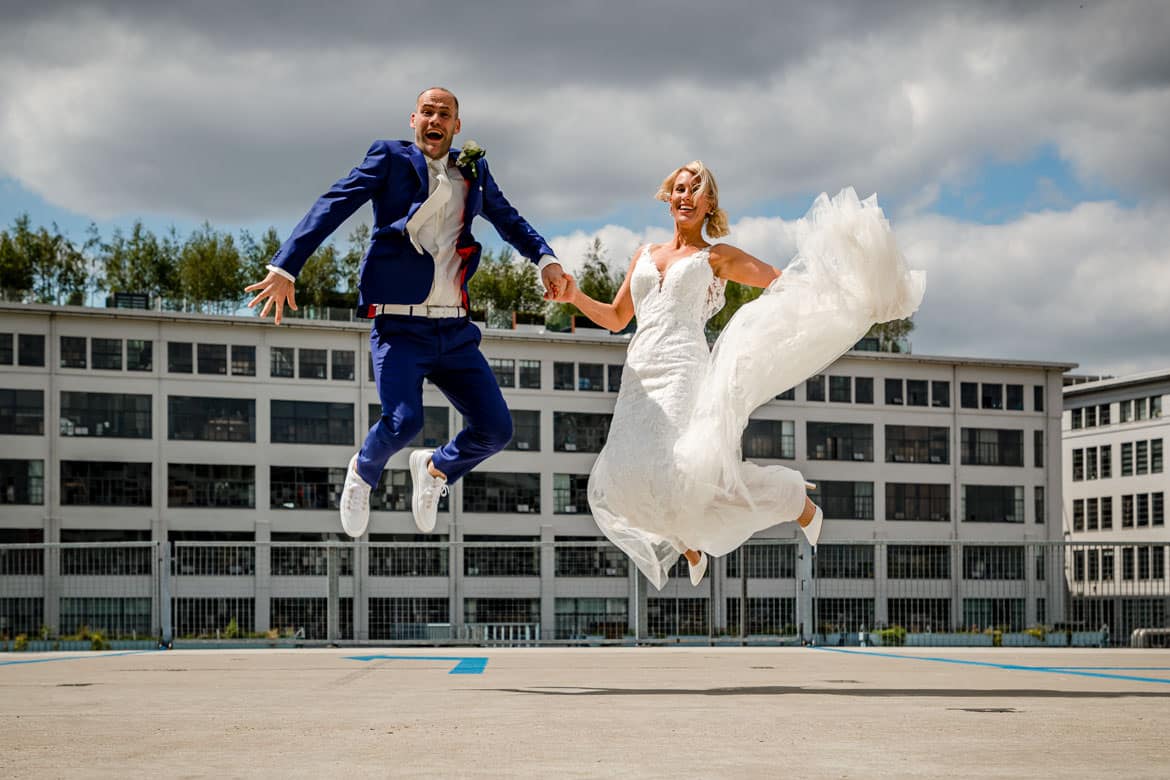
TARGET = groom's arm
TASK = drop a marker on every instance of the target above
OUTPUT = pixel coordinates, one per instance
(331, 209)
(514, 229)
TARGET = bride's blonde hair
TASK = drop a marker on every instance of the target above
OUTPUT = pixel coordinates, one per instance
(715, 221)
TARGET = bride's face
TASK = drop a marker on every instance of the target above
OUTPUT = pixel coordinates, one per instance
(688, 208)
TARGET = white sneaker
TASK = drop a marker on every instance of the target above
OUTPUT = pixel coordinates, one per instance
(812, 531)
(698, 569)
(355, 501)
(424, 501)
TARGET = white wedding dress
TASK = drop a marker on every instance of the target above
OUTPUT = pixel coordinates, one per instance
(671, 475)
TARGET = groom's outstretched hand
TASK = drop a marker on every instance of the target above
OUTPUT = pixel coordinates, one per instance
(568, 287)
(278, 290)
(553, 277)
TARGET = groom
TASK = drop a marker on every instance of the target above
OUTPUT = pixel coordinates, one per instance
(413, 284)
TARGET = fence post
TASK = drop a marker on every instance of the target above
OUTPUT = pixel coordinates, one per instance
(805, 618)
(164, 593)
(333, 602)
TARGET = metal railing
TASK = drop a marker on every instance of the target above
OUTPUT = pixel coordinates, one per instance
(582, 592)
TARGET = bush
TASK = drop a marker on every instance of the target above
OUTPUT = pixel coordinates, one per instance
(894, 636)
(20, 644)
(97, 641)
(233, 629)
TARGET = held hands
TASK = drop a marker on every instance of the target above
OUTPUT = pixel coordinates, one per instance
(278, 290)
(567, 293)
(553, 277)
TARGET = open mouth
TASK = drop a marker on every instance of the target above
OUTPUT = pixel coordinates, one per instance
(433, 135)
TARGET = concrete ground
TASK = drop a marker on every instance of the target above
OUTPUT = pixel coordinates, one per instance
(600, 712)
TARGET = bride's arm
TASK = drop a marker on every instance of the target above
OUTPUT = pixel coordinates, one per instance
(729, 262)
(611, 316)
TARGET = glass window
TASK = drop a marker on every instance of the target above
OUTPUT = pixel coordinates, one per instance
(504, 370)
(488, 491)
(839, 441)
(105, 414)
(7, 349)
(845, 562)
(31, 349)
(917, 392)
(314, 363)
(994, 562)
(1106, 511)
(212, 358)
(307, 487)
(1126, 460)
(1038, 398)
(841, 389)
(917, 444)
(913, 502)
(106, 354)
(530, 374)
(1139, 409)
(969, 395)
(769, 439)
(894, 392)
(1155, 407)
(844, 500)
(343, 362)
(398, 560)
(787, 395)
(590, 376)
(311, 422)
(1155, 456)
(1078, 464)
(101, 483)
(993, 504)
(1126, 410)
(525, 430)
(992, 447)
(1142, 458)
(570, 494)
(139, 355)
(614, 378)
(407, 617)
(180, 357)
(73, 351)
(22, 412)
(283, 361)
(21, 482)
(940, 394)
(243, 360)
(211, 485)
(580, 431)
(918, 562)
(1015, 398)
(1078, 514)
(863, 390)
(1038, 449)
(1090, 416)
(199, 418)
(1038, 498)
(814, 388)
(1106, 461)
(1075, 418)
(1126, 511)
(1103, 414)
(992, 396)
(563, 376)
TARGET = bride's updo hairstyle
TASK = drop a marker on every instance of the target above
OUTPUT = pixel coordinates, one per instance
(715, 222)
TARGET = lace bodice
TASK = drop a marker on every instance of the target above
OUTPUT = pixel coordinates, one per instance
(688, 292)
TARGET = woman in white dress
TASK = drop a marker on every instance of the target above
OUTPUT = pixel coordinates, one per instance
(671, 478)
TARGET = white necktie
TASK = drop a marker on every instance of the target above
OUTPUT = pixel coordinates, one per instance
(433, 206)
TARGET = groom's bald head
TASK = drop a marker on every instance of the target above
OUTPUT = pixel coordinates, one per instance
(440, 90)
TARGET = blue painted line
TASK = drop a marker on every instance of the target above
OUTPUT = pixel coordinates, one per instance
(74, 657)
(463, 665)
(1008, 667)
(1119, 668)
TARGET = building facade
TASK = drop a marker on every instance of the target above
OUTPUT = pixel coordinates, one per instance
(226, 438)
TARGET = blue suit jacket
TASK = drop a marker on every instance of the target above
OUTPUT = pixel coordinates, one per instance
(394, 176)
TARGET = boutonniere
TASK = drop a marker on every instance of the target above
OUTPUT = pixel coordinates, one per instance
(470, 153)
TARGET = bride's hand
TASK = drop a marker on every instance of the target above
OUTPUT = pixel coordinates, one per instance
(568, 290)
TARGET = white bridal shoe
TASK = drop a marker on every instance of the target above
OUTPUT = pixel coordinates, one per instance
(698, 569)
(812, 531)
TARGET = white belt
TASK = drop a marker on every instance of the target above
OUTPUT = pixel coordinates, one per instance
(419, 310)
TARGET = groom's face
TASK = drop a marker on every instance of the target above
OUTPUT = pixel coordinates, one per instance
(435, 121)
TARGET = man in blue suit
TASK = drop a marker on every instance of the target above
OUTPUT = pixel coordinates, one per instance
(413, 284)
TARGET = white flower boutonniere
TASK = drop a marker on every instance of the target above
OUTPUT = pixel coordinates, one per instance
(470, 153)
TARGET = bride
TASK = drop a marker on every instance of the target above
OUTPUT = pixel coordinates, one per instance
(670, 478)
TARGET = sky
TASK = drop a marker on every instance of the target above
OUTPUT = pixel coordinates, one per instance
(1019, 148)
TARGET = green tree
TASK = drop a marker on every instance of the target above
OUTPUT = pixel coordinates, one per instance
(892, 336)
(351, 261)
(597, 279)
(139, 263)
(15, 270)
(257, 254)
(317, 281)
(737, 295)
(505, 284)
(210, 268)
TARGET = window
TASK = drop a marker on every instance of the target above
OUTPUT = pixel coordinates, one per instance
(940, 394)
(103, 483)
(72, 352)
(243, 360)
(1155, 456)
(130, 559)
(991, 396)
(894, 392)
(194, 418)
(918, 562)
(844, 614)
(1090, 514)
(392, 493)
(112, 616)
(504, 370)
(814, 388)
(844, 562)
(769, 439)
(677, 617)
(920, 614)
(314, 363)
(839, 441)
(1142, 505)
(764, 561)
(22, 412)
(591, 377)
(490, 491)
(582, 617)
(208, 617)
(1090, 463)
(305, 617)
(993, 504)
(1157, 516)
(614, 377)
(563, 376)
(917, 393)
(844, 500)
(212, 358)
(992, 447)
(1078, 464)
(841, 389)
(435, 429)
(1103, 414)
(305, 487)
(917, 444)
(21, 482)
(993, 562)
(1038, 449)
(862, 390)
(570, 494)
(1106, 461)
(1155, 407)
(283, 362)
(501, 610)
(1141, 461)
(969, 395)
(106, 354)
(211, 485)
(139, 355)
(105, 414)
(1039, 504)
(907, 501)
(406, 617)
(1126, 410)
(1126, 460)
(1006, 614)
(1015, 398)
(787, 395)
(1127, 511)
(30, 349)
(1038, 398)
(1078, 515)
(1075, 418)
(1106, 513)
(1139, 409)
(1090, 416)
(519, 556)
(525, 430)
(180, 358)
(300, 554)
(7, 349)
(311, 422)
(530, 374)
(428, 559)
(580, 431)
(343, 365)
